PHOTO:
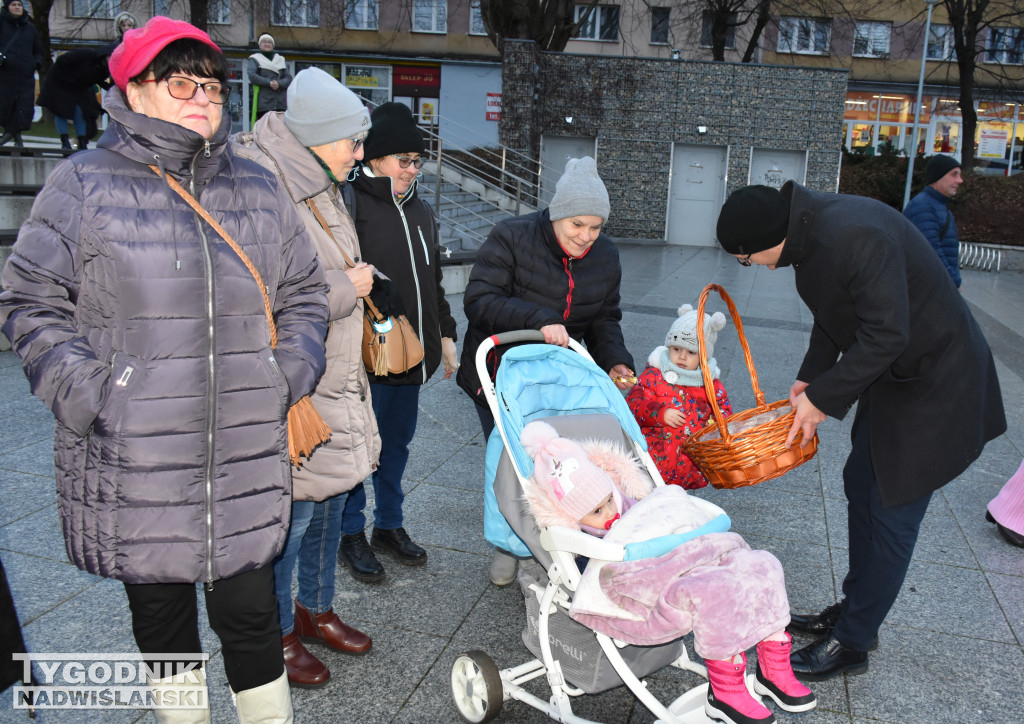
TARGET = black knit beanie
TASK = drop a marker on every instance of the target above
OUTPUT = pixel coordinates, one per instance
(938, 166)
(393, 130)
(753, 218)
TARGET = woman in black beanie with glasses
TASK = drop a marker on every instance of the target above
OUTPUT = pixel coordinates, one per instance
(397, 234)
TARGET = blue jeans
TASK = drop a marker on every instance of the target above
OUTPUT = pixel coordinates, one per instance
(396, 408)
(313, 539)
(62, 123)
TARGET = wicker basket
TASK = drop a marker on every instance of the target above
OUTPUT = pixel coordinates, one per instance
(733, 460)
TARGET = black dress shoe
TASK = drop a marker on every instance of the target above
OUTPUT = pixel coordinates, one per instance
(354, 553)
(826, 658)
(818, 624)
(1011, 537)
(398, 543)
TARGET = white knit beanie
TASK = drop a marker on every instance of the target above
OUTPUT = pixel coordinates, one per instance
(321, 110)
(683, 332)
(580, 192)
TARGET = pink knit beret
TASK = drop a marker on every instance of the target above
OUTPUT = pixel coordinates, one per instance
(141, 45)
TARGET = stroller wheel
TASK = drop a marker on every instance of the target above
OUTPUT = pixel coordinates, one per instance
(476, 687)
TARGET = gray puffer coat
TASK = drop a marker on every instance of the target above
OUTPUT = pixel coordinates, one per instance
(145, 335)
(342, 396)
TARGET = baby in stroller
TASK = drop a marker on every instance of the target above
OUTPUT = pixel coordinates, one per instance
(694, 576)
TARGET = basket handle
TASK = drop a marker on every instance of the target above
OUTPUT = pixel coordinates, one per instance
(709, 386)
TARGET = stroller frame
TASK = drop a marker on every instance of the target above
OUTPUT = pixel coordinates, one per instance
(479, 688)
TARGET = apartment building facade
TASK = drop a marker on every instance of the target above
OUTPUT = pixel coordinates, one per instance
(435, 56)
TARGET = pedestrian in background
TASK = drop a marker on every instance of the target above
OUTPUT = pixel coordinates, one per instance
(122, 24)
(70, 92)
(929, 211)
(148, 337)
(269, 78)
(398, 234)
(894, 337)
(312, 146)
(22, 57)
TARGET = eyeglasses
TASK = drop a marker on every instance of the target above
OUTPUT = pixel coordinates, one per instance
(184, 89)
(744, 261)
(406, 161)
(357, 143)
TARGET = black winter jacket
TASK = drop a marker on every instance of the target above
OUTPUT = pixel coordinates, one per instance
(400, 239)
(892, 331)
(523, 279)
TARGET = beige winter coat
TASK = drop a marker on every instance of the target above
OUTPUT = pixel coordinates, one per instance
(343, 394)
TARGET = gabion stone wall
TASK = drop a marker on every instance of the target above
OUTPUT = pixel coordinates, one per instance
(637, 108)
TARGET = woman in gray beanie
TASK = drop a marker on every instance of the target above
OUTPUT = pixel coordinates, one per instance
(552, 271)
(312, 147)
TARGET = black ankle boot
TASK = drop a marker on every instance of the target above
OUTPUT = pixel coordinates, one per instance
(399, 545)
(65, 142)
(83, 143)
(354, 553)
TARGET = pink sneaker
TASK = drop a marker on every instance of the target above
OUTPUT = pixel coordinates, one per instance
(729, 700)
(775, 677)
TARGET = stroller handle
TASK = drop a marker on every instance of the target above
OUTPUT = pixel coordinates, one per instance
(514, 337)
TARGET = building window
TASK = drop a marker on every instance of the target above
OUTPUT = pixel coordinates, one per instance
(476, 19)
(94, 8)
(430, 16)
(160, 7)
(940, 43)
(706, 21)
(296, 13)
(219, 12)
(659, 26)
(603, 23)
(1005, 46)
(871, 40)
(804, 35)
(360, 14)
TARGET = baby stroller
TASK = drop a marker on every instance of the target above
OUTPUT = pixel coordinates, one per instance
(566, 389)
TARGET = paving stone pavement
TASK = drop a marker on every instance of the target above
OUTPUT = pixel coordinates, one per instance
(950, 651)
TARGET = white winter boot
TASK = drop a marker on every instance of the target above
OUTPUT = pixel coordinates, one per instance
(267, 704)
(174, 692)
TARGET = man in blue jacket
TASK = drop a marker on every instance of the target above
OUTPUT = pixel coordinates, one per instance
(929, 210)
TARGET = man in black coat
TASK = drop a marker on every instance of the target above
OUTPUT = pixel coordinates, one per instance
(891, 333)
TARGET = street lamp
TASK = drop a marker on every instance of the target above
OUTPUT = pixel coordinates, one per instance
(917, 108)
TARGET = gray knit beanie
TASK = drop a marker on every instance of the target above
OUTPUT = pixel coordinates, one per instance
(321, 110)
(580, 192)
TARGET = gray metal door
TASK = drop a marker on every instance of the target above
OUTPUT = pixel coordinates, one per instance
(774, 168)
(697, 193)
(555, 152)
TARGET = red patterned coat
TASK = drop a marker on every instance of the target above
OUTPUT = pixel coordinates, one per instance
(649, 399)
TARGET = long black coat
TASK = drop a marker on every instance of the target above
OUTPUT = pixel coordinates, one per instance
(19, 42)
(72, 82)
(523, 279)
(891, 330)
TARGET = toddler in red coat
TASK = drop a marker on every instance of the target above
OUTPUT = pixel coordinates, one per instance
(669, 400)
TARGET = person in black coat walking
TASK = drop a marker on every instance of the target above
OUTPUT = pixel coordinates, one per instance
(892, 334)
(69, 92)
(22, 57)
(552, 271)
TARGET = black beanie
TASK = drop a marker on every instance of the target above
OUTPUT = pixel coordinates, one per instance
(938, 166)
(392, 130)
(753, 218)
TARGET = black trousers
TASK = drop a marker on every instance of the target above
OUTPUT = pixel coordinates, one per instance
(242, 612)
(882, 542)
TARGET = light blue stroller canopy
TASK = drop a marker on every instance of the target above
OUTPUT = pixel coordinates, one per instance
(537, 381)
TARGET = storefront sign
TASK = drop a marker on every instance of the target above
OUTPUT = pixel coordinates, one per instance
(363, 81)
(494, 106)
(890, 108)
(409, 80)
(992, 143)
